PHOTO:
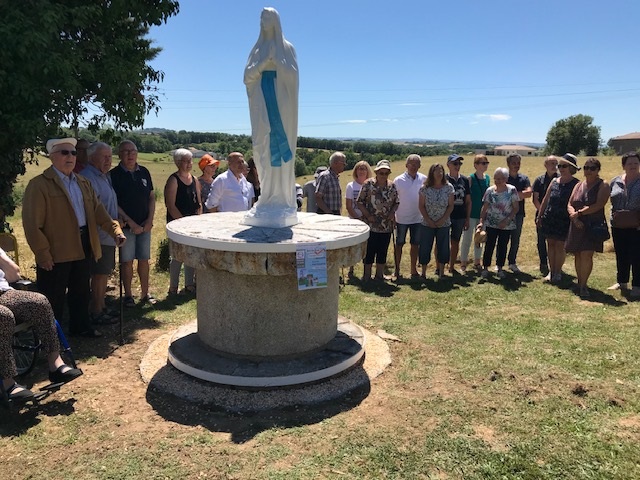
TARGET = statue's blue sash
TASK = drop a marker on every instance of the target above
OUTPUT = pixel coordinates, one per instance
(280, 150)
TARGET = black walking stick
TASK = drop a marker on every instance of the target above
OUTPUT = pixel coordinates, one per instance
(121, 299)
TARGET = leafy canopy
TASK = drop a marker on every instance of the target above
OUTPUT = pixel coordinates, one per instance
(66, 60)
(574, 134)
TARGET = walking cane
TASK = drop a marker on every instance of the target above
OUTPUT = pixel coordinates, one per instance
(395, 258)
(121, 299)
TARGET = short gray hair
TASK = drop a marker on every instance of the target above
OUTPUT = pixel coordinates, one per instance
(179, 154)
(95, 147)
(337, 156)
(504, 172)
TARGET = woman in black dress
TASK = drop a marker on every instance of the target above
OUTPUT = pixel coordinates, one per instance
(554, 217)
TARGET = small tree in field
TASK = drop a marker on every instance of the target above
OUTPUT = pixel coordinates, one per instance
(65, 60)
(574, 134)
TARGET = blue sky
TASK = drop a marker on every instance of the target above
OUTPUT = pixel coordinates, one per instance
(462, 70)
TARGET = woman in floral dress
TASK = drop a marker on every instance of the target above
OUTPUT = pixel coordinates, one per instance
(435, 202)
(378, 202)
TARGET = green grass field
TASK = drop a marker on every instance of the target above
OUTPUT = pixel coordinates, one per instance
(498, 379)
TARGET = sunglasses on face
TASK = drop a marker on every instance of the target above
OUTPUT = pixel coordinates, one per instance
(67, 152)
(457, 164)
(588, 168)
(563, 165)
(384, 174)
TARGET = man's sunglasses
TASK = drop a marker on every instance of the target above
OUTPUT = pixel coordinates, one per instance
(67, 152)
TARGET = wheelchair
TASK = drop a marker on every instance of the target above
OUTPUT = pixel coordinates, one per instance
(26, 349)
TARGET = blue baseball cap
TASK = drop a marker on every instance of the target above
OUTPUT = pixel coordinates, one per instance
(453, 158)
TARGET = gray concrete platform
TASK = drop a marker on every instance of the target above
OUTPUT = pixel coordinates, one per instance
(189, 354)
(162, 377)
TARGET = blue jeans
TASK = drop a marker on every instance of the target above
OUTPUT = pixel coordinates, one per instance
(414, 233)
(515, 239)
(441, 236)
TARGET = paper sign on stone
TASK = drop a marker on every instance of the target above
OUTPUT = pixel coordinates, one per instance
(311, 263)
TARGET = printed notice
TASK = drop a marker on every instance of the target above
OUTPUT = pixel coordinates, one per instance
(311, 262)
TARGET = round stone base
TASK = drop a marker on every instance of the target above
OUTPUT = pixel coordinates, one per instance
(189, 354)
(162, 377)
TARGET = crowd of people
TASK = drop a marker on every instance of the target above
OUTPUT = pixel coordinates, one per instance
(82, 207)
(444, 213)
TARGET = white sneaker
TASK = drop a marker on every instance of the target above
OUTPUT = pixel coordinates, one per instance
(514, 268)
(619, 286)
(501, 274)
(547, 279)
(484, 273)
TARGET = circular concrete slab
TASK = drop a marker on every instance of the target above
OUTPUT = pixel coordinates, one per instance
(189, 354)
(223, 231)
(164, 378)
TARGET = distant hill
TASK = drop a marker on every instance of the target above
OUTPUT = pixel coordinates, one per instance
(436, 141)
(395, 140)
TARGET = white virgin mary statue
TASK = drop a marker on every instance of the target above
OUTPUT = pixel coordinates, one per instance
(271, 77)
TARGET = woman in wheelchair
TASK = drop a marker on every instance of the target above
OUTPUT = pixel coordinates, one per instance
(17, 306)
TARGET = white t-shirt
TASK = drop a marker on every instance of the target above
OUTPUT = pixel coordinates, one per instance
(408, 195)
(4, 284)
(353, 190)
(230, 194)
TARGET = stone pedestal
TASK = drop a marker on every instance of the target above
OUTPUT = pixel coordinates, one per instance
(249, 305)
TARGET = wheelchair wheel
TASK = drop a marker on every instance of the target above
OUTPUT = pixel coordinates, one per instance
(25, 346)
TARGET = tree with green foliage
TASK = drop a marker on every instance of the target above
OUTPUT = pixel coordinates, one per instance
(574, 134)
(66, 61)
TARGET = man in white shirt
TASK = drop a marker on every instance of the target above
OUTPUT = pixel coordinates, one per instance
(408, 217)
(230, 191)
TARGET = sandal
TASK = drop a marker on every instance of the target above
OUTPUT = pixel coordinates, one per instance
(60, 375)
(148, 298)
(103, 319)
(21, 396)
(129, 302)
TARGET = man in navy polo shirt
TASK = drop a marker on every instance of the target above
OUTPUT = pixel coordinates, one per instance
(461, 207)
(540, 187)
(136, 207)
(523, 186)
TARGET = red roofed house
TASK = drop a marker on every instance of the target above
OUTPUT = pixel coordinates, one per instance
(626, 143)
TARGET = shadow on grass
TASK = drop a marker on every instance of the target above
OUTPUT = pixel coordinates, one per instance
(597, 296)
(244, 426)
(381, 288)
(512, 281)
(21, 418)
